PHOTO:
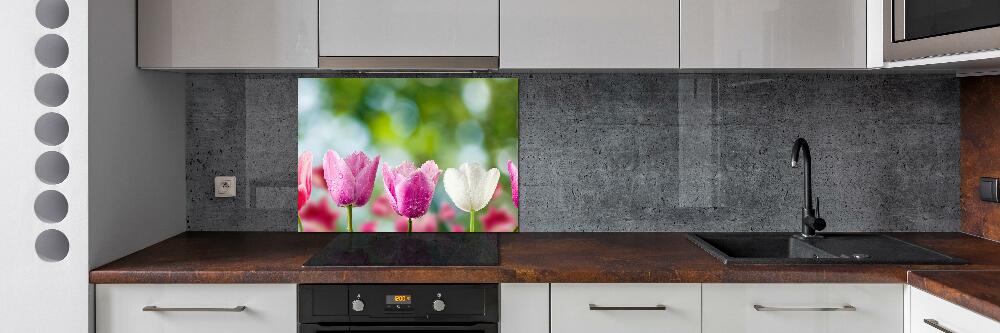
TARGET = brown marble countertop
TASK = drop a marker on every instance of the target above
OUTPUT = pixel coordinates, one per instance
(978, 291)
(277, 257)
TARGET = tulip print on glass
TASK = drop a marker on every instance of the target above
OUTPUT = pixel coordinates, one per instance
(408, 155)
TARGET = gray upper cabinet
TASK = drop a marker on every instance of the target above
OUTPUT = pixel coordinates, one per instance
(775, 34)
(193, 34)
(402, 34)
(589, 34)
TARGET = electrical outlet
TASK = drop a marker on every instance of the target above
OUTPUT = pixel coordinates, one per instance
(225, 187)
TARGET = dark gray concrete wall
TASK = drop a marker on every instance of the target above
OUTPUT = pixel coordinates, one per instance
(640, 152)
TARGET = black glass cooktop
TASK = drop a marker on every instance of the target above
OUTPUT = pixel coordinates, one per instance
(409, 249)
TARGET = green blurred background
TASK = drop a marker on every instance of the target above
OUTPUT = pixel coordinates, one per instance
(448, 120)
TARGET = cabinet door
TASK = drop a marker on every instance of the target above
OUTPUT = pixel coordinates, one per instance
(557, 34)
(227, 33)
(626, 307)
(524, 308)
(802, 308)
(196, 308)
(408, 28)
(930, 314)
(773, 34)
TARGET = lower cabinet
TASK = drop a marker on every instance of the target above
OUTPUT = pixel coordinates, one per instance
(802, 308)
(195, 308)
(930, 314)
(524, 307)
(625, 307)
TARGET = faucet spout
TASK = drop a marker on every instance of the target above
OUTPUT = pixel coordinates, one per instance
(810, 222)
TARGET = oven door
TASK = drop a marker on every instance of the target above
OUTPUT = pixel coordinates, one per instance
(474, 328)
(916, 29)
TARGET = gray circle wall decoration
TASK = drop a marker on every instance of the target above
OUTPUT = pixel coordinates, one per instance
(51, 90)
(51, 206)
(52, 245)
(52, 167)
(51, 129)
(51, 51)
(52, 13)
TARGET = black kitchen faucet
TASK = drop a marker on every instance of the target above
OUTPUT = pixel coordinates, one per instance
(810, 221)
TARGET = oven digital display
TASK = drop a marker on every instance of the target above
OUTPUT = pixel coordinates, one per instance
(398, 299)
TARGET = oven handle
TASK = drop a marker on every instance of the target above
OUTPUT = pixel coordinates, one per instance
(481, 327)
(315, 328)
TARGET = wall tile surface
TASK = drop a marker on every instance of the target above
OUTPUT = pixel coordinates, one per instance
(640, 152)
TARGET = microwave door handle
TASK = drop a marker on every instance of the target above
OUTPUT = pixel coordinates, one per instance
(898, 18)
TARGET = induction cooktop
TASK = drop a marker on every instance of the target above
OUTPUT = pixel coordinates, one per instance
(408, 249)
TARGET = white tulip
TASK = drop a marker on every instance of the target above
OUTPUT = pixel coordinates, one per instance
(471, 187)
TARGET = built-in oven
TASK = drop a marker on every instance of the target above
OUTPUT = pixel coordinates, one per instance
(916, 29)
(385, 308)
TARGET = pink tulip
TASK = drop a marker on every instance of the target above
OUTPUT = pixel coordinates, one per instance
(368, 226)
(318, 216)
(350, 181)
(402, 224)
(457, 228)
(305, 178)
(498, 220)
(426, 223)
(410, 190)
(512, 169)
(381, 207)
(446, 212)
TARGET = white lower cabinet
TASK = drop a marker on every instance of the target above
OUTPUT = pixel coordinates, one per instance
(524, 307)
(625, 307)
(930, 314)
(802, 308)
(195, 308)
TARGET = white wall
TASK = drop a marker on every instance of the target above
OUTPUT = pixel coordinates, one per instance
(38, 295)
(137, 186)
(124, 187)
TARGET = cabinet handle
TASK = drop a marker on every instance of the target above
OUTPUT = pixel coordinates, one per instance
(159, 309)
(595, 307)
(935, 324)
(759, 307)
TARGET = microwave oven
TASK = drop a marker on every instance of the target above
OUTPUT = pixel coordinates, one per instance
(915, 29)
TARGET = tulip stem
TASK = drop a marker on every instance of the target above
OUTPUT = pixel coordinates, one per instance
(350, 225)
(409, 225)
(300, 224)
(472, 221)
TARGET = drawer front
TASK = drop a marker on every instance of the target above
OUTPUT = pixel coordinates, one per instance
(946, 315)
(571, 310)
(407, 28)
(269, 308)
(797, 308)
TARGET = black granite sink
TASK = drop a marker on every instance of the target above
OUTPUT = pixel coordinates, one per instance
(832, 248)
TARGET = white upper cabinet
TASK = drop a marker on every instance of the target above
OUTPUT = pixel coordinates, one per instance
(227, 34)
(589, 34)
(408, 28)
(777, 33)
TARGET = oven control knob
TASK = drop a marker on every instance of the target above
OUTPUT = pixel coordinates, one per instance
(358, 305)
(438, 305)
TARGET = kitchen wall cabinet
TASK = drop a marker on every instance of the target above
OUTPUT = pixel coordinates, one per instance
(930, 314)
(405, 28)
(193, 34)
(269, 308)
(779, 34)
(626, 307)
(589, 34)
(802, 308)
